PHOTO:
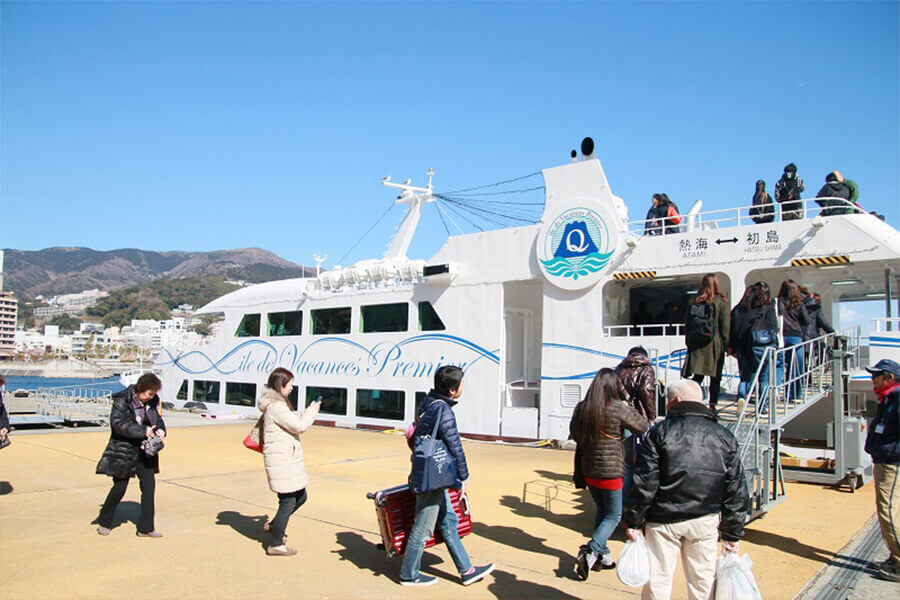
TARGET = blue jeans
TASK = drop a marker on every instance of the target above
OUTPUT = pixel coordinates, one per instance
(609, 513)
(752, 364)
(795, 365)
(431, 509)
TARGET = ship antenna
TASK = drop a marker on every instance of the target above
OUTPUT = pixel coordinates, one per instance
(416, 198)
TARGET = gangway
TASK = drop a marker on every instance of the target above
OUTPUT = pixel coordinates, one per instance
(780, 392)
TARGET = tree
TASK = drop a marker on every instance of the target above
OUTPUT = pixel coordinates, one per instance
(66, 323)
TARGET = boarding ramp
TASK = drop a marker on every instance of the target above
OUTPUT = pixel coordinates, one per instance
(74, 406)
(788, 382)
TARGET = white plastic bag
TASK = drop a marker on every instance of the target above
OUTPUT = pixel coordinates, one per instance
(633, 566)
(734, 579)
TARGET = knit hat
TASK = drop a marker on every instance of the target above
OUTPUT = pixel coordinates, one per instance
(791, 168)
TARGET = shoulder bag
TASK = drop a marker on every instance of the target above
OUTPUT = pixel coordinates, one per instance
(433, 467)
(254, 439)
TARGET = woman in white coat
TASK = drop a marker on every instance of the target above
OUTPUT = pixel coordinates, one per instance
(283, 453)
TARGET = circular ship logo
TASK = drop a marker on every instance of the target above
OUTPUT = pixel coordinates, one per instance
(575, 248)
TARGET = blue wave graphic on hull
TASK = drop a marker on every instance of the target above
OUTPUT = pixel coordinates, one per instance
(576, 267)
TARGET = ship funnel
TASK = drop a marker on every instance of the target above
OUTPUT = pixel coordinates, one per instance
(587, 148)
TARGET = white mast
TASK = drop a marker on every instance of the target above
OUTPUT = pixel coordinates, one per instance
(416, 197)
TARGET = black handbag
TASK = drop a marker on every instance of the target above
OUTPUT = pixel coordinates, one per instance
(433, 467)
(152, 446)
(4, 441)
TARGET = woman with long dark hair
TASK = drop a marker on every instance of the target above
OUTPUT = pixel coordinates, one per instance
(763, 210)
(283, 453)
(754, 327)
(707, 331)
(598, 427)
(795, 320)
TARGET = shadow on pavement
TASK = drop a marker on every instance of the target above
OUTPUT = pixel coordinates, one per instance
(249, 527)
(365, 555)
(507, 585)
(788, 545)
(582, 522)
(516, 538)
(5, 488)
(126, 511)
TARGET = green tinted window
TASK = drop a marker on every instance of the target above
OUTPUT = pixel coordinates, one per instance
(206, 392)
(292, 397)
(182, 391)
(330, 320)
(286, 323)
(380, 404)
(240, 394)
(384, 317)
(249, 326)
(334, 400)
(428, 318)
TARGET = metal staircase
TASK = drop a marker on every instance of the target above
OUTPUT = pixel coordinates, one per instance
(787, 382)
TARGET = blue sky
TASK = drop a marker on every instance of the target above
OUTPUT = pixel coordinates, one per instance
(202, 126)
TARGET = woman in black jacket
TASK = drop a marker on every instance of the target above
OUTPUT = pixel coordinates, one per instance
(134, 420)
(4, 416)
(754, 328)
(598, 427)
(763, 210)
(434, 507)
(796, 319)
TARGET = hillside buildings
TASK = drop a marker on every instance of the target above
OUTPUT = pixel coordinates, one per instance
(70, 304)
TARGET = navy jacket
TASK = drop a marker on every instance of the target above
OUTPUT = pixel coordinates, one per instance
(4, 416)
(433, 405)
(884, 445)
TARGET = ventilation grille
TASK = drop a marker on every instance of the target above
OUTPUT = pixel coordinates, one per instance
(570, 395)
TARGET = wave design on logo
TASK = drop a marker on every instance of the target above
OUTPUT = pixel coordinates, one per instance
(577, 267)
(179, 361)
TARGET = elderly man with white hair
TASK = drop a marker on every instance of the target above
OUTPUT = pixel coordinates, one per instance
(688, 488)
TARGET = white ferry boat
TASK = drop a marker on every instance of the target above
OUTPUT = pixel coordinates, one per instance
(530, 312)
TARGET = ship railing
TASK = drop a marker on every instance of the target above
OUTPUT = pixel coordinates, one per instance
(647, 329)
(744, 215)
(886, 324)
(74, 405)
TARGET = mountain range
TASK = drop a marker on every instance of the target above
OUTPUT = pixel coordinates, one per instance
(62, 270)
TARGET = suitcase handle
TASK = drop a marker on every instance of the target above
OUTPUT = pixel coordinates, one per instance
(464, 503)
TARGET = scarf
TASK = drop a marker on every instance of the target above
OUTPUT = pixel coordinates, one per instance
(886, 389)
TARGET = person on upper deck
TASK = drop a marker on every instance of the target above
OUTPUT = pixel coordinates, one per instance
(754, 327)
(707, 330)
(652, 224)
(667, 211)
(795, 321)
(854, 187)
(834, 197)
(787, 193)
(763, 210)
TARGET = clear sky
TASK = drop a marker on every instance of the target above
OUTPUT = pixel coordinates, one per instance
(205, 125)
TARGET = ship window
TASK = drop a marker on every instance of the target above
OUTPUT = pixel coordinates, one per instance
(380, 404)
(330, 320)
(182, 391)
(334, 400)
(428, 318)
(420, 396)
(240, 394)
(206, 392)
(384, 317)
(249, 326)
(292, 397)
(286, 323)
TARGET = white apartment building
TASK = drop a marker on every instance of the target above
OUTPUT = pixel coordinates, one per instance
(42, 341)
(149, 334)
(9, 310)
(72, 304)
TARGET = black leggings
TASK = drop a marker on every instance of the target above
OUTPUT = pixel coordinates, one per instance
(148, 489)
(714, 385)
(287, 505)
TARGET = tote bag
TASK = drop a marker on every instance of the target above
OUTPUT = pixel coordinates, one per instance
(433, 467)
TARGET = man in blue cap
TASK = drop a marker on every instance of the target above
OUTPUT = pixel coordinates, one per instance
(883, 443)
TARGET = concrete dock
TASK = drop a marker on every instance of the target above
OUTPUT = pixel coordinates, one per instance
(212, 500)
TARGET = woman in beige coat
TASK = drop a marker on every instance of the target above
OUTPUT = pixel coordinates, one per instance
(283, 453)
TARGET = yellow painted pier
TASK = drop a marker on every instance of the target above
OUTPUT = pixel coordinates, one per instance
(212, 499)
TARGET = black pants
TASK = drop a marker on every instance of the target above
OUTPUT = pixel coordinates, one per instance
(287, 505)
(148, 489)
(714, 385)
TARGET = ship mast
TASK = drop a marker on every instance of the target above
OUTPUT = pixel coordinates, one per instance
(416, 198)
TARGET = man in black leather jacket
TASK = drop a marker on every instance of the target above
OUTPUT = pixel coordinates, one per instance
(689, 486)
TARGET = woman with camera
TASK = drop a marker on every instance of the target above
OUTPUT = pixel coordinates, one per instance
(135, 439)
(283, 453)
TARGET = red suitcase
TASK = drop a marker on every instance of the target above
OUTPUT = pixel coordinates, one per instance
(396, 511)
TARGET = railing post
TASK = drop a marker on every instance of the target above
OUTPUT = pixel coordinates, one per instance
(837, 387)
